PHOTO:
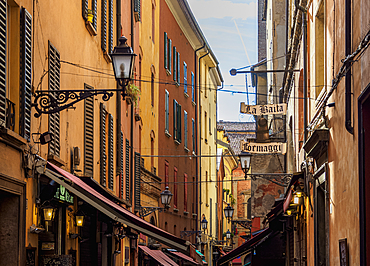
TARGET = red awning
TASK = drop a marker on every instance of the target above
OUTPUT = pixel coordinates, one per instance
(244, 248)
(237, 261)
(184, 257)
(76, 186)
(159, 256)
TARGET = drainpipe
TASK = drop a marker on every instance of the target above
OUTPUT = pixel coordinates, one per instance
(348, 93)
(200, 137)
(304, 18)
(118, 99)
(132, 119)
(196, 130)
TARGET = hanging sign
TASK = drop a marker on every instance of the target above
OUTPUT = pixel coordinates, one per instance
(263, 148)
(63, 195)
(269, 109)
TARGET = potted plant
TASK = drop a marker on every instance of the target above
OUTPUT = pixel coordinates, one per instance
(90, 15)
(133, 92)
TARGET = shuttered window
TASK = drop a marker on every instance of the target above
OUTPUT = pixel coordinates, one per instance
(137, 180)
(167, 112)
(193, 132)
(25, 75)
(3, 52)
(177, 121)
(93, 6)
(104, 25)
(175, 64)
(54, 85)
(185, 192)
(110, 36)
(185, 78)
(127, 172)
(192, 87)
(167, 54)
(122, 180)
(103, 144)
(175, 188)
(110, 152)
(185, 129)
(166, 174)
(89, 134)
(137, 10)
(178, 67)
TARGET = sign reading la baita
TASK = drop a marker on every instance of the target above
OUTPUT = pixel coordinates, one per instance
(263, 148)
(269, 109)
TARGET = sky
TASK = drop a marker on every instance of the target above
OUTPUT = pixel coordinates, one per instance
(221, 22)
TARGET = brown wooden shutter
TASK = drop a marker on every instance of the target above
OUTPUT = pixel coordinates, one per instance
(127, 156)
(103, 156)
(110, 50)
(104, 25)
(137, 180)
(25, 75)
(3, 19)
(166, 174)
(175, 188)
(121, 166)
(95, 12)
(85, 7)
(89, 135)
(54, 85)
(185, 192)
(110, 152)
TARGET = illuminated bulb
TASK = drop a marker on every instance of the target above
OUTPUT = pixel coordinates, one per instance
(288, 212)
(299, 194)
(79, 220)
(296, 200)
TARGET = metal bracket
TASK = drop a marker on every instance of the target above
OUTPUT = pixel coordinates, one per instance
(189, 233)
(145, 211)
(245, 224)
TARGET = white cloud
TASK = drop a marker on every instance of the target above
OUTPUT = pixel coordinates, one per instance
(222, 8)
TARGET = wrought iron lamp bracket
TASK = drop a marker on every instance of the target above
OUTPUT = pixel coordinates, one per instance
(245, 224)
(54, 101)
(145, 211)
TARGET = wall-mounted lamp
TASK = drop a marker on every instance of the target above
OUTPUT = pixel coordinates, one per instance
(245, 161)
(229, 211)
(80, 220)
(49, 213)
(44, 138)
(204, 223)
(228, 234)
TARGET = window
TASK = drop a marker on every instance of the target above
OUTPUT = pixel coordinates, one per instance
(192, 88)
(175, 188)
(166, 174)
(185, 192)
(185, 129)
(167, 112)
(193, 133)
(90, 6)
(107, 23)
(110, 152)
(103, 145)
(137, 180)
(176, 66)
(137, 10)
(89, 134)
(54, 85)
(177, 121)
(167, 54)
(185, 78)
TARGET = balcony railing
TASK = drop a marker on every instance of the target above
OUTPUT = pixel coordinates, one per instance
(10, 115)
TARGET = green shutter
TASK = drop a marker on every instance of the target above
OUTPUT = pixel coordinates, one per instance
(54, 85)
(104, 25)
(185, 129)
(178, 67)
(167, 97)
(3, 53)
(110, 152)
(89, 135)
(185, 78)
(170, 55)
(165, 51)
(174, 64)
(179, 123)
(137, 181)
(174, 119)
(103, 156)
(25, 75)
(127, 160)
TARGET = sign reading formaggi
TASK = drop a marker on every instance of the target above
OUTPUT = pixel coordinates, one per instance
(263, 148)
(269, 109)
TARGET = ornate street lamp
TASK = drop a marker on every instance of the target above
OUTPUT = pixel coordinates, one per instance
(166, 197)
(53, 101)
(228, 212)
(79, 220)
(203, 224)
(245, 161)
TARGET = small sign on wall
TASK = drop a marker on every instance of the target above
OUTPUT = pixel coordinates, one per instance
(343, 252)
(269, 109)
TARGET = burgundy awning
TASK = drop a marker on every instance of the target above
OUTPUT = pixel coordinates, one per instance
(76, 186)
(244, 248)
(184, 257)
(159, 256)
